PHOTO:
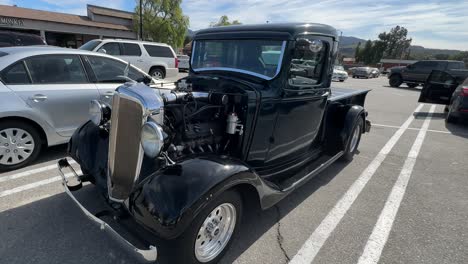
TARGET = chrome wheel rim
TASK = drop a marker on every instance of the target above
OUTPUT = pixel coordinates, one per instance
(215, 232)
(16, 146)
(157, 75)
(355, 138)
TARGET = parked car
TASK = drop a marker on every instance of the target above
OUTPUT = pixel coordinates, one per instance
(12, 38)
(157, 59)
(240, 134)
(417, 73)
(448, 88)
(339, 74)
(364, 72)
(183, 62)
(45, 94)
(375, 73)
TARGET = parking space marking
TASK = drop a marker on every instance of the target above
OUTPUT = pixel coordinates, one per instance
(314, 243)
(35, 184)
(379, 236)
(412, 128)
(30, 172)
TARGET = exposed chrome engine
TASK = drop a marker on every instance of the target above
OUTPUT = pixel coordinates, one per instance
(166, 125)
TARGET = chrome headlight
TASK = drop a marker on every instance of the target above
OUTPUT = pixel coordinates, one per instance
(152, 139)
(99, 112)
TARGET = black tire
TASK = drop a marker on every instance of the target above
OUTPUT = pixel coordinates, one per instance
(450, 118)
(395, 81)
(351, 150)
(157, 73)
(341, 80)
(412, 85)
(185, 245)
(35, 136)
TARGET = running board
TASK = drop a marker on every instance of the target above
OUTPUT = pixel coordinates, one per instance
(309, 172)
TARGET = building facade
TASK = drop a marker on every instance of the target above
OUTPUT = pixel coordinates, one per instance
(67, 30)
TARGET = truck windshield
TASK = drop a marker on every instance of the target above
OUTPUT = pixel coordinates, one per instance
(90, 45)
(261, 58)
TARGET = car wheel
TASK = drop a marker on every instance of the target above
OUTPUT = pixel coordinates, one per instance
(212, 231)
(341, 80)
(353, 141)
(20, 144)
(395, 81)
(157, 73)
(412, 85)
(450, 118)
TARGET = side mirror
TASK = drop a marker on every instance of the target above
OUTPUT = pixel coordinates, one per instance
(102, 51)
(308, 45)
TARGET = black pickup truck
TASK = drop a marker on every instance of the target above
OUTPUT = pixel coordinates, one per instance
(249, 125)
(417, 73)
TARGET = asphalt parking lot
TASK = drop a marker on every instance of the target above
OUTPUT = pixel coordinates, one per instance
(403, 199)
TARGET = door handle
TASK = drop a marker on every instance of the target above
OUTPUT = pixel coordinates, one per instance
(108, 94)
(38, 98)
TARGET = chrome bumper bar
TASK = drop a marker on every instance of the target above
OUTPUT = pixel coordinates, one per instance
(144, 255)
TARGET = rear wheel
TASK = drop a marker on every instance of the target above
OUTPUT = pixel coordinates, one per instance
(395, 81)
(211, 232)
(20, 144)
(157, 73)
(354, 140)
(412, 85)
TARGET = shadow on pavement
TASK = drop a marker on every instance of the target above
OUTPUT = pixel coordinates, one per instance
(54, 230)
(52, 153)
(460, 129)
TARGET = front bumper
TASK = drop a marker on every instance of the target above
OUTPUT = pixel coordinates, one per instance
(143, 255)
(339, 78)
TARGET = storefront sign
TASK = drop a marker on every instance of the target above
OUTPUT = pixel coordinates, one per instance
(11, 21)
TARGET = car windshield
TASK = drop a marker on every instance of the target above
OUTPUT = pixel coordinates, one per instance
(339, 68)
(90, 45)
(261, 58)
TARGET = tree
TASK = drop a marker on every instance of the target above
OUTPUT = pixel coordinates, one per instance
(396, 42)
(163, 21)
(357, 52)
(441, 56)
(224, 21)
(462, 56)
(366, 55)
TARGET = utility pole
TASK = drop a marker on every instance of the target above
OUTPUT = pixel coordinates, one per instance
(141, 19)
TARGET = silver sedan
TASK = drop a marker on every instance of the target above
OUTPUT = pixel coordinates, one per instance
(45, 94)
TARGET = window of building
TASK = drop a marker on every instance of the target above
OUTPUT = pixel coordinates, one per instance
(111, 48)
(51, 69)
(16, 74)
(111, 71)
(159, 51)
(131, 49)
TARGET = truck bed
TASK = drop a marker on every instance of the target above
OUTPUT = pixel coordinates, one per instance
(345, 93)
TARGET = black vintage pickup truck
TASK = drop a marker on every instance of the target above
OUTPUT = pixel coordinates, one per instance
(250, 124)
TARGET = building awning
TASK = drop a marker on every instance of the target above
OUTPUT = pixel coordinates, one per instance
(32, 14)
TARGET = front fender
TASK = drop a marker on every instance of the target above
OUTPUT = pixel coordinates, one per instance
(167, 201)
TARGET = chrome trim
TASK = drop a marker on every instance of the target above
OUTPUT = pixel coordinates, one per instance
(144, 255)
(268, 78)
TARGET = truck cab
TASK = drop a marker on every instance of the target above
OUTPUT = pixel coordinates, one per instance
(255, 119)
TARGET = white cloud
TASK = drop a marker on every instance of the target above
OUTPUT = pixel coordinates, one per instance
(431, 24)
(78, 7)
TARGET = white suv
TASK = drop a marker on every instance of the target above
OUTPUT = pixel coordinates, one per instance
(157, 59)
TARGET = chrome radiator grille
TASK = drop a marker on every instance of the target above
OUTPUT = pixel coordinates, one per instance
(125, 152)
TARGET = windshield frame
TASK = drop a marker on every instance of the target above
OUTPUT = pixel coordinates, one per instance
(268, 78)
(99, 41)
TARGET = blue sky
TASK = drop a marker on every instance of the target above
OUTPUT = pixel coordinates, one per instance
(431, 23)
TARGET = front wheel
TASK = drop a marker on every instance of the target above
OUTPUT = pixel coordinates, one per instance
(412, 85)
(157, 73)
(395, 81)
(211, 232)
(354, 140)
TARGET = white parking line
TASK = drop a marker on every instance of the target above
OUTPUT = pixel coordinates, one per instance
(30, 172)
(35, 184)
(315, 242)
(412, 128)
(379, 236)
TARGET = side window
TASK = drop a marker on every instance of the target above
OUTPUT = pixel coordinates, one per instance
(307, 63)
(111, 48)
(111, 71)
(131, 49)
(16, 74)
(453, 65)
(50, 69)
(159, 51)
